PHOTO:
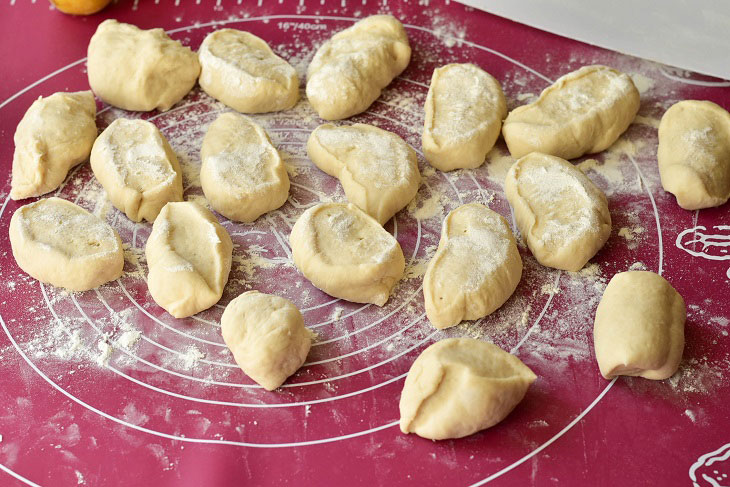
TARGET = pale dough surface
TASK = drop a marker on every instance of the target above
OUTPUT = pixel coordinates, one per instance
(243, 72)
(459, 386)
(560, 213)
(267, 337)
(60, 243)
(346, 253)
(54, 135)
(639, 327)
(189, 257)
(377, 169)
(138, 69)
(465, 107)
(349, 71)
(582, 112)
(137, 167)
(242, 173)
(694, 153)
(475, 269)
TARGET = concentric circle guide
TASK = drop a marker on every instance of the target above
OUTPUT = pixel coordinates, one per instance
(281, 240)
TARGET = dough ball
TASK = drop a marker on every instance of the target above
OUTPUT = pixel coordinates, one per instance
(639, 327)
(267, 337)
(377, 169)
(60, 243)
(349, 71)
(582, 112)
(459, 386)
(243, 72)
(242, 173)
(346, 253)
(694, 154)
(189, 257)
(476, 267)
(138, 69)
(137, 167)
(54, 135)
(561, 214)
(464, 111)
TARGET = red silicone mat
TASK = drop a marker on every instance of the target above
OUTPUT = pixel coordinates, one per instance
(105, 388)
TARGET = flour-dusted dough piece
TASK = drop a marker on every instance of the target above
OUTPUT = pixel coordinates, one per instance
(60, 243)
(377, 169)
(465, 107)
(561, 214)
(243, 72)
(242, 173)
(349, 71)
(459, 386)
(475, 269)
(137, 167)
(267, 337)
(694, 153)
(54, 135)
(139, 69)
(639, 327)
(582, 112)
(346, 253)
(189, 257)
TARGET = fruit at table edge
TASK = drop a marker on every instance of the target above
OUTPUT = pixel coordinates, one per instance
(80, 7)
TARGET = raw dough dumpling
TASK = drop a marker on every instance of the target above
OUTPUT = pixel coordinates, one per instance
(55, 134)
(349, 71)
(694, 153)
(139, 69)
(60, 243)
(377, 169)
(464, 111)
(476, 267)
(242, 173)
(137, 168)
(582, 112)
(639, 327)
(561, 214)
(346, 253)
(459, 386)
(267, 337)
(189, 257)
(243, 72)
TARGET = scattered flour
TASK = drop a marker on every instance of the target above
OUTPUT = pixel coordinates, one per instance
(642, 83)
(129, 339)
(191, 356)
(105, 352)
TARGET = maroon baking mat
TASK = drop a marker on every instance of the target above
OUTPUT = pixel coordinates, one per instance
(105, 388)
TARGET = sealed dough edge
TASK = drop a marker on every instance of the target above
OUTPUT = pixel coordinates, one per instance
(458, 386)
(359, 283)
(50, 264)
(238, 88)
(228, 139)
(639, 327)
(576, 254)
(55, 134)
(181, 287)
(381, 202)
(136, 203)
(337, 91)
(458, 153)
(582, 133)
(267, 337)
(448, 305)
(694, 154)
(137, 69)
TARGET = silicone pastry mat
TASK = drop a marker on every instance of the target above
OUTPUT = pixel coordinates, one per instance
(105, 388)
